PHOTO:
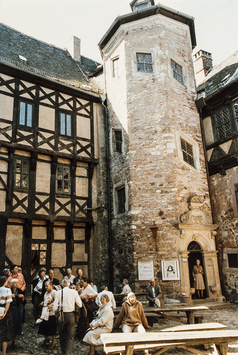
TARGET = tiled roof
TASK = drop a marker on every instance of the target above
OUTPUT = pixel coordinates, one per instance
(220, 77)
(46, 60)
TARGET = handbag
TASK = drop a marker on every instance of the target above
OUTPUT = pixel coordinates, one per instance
(92, 306)
(59, 314)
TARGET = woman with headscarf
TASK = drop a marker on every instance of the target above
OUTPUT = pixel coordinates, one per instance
(6, 327)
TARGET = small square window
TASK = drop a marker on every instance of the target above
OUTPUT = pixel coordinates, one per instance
(63, 179)
(177, 72)
(144, 62)
(65, 124)
(118, 141)
(115, 67)
(236, 193)
(121, 200)
(232, 260)
(187, 150)
(26, 114)
(21, 173)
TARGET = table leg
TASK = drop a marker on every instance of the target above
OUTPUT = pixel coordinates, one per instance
(129, 349)
(222, 348)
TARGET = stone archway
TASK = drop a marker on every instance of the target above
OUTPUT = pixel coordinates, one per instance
(194, 253)
(198, 231)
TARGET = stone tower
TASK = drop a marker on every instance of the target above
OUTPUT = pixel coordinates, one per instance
(156, 155)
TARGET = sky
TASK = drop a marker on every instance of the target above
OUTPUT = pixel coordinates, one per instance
(56, 21)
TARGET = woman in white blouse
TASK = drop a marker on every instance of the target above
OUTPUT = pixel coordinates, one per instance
(37, 296)
(102, 324)
(6, 327)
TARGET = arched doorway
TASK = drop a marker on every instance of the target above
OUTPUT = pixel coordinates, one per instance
(195, 252)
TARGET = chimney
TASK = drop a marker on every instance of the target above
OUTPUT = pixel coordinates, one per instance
(202, 64)
(73, 48)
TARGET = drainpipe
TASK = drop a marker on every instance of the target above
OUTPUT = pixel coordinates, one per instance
(108, 197)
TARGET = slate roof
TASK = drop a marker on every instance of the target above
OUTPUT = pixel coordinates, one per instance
(220, 77)
(150, 11)
(46, 60)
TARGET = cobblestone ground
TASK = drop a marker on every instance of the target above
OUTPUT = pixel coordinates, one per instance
(31, 342)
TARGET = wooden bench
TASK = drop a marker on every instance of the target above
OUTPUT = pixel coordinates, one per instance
(187, 311)
(162, 341)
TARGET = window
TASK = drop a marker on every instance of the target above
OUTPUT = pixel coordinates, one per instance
(232, 260)
(26, 114)
(223, 123)
(21, 173)
(63, 179)
(187, 150)
(121, 200)
(235, 110)
(177, 72)
(65, 124)
(144, 62)
(38, 254)
(236, 193)
(115, 67)
(118, 141)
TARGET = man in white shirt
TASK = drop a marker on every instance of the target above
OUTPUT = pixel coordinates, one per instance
(67, 326)
(105, 291)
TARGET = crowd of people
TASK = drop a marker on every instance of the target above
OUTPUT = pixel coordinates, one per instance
(73, 305)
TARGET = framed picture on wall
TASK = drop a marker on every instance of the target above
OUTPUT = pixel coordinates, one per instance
(170, 270)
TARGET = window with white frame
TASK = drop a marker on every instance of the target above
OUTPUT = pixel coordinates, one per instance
(144, 62)
(115, 67)
(63, 179)
(65, 124)
(187, 150)
(26, 114)
(177, 71)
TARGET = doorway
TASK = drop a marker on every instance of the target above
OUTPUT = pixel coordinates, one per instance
(195, 252)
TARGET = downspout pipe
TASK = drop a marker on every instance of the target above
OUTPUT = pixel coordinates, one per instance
(109, 202)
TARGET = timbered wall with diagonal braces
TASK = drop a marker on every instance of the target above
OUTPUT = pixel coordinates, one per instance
(49, 228)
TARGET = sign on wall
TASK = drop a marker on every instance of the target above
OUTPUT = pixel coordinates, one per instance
(145, 270)
(170, 270)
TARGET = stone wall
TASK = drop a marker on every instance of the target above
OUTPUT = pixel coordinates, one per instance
(226, 216)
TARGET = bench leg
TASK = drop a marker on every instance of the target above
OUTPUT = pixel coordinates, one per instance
(222, 348)
(190, 317)
(129, 350)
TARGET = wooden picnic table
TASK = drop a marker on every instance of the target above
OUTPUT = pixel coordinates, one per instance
(162, 341)
(188, 310)
(193, 327)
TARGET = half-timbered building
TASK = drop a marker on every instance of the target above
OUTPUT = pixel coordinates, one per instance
(217, 102)
(52, 154)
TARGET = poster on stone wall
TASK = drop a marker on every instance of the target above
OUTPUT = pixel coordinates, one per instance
(145, 270)
(170, 270)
